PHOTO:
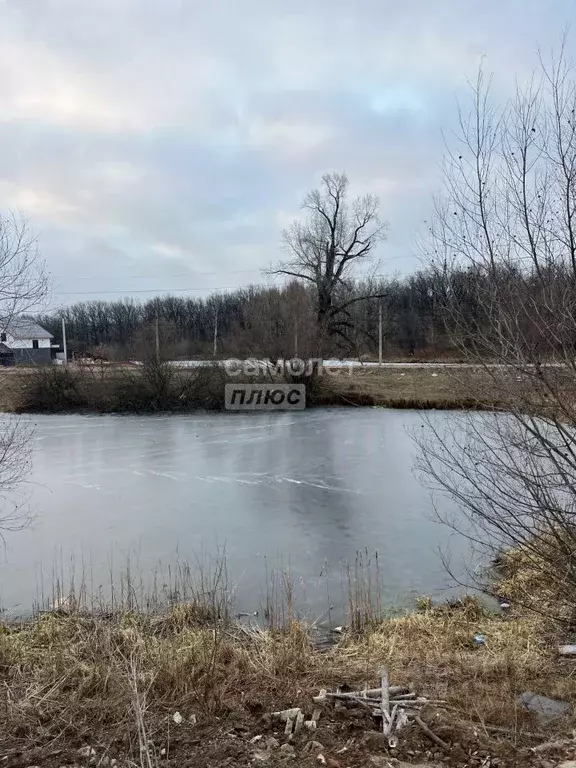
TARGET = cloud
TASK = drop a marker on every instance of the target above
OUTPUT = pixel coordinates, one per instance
(155, 138)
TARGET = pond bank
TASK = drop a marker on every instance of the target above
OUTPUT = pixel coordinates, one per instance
(188, 688)
(113, 389)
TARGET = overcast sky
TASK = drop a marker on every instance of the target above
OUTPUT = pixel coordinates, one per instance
(163, 144)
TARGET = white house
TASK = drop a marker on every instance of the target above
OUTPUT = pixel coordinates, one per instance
(29, 342)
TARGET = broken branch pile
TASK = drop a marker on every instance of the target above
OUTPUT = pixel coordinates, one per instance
(395, 705)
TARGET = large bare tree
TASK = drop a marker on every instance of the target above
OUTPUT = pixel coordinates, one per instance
(507, 215)
(23, 288)
(327, 248)
(23, 278)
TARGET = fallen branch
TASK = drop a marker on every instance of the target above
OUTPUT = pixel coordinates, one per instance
(431, 735)
(366, 704)
(419, 702)
(392, 737)
(393, 690)
(404, 696)
(396, 705)
(402, 719)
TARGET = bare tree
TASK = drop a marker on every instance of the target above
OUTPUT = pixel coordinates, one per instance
(23, 286)
(23, 279)
(326, 249)
(15, 462)
(508, 218)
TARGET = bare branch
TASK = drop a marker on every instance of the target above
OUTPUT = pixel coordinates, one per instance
(503, 241)
(324, 250)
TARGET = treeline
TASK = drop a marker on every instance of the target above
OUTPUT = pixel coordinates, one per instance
(268, 322)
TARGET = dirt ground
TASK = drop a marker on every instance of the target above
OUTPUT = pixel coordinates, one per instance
(345, 738)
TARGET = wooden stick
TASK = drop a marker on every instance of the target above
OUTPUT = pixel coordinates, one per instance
(371, 700)
(417, 702)
(431, 735)
(386, 722)
(299, 722)
(401, 720)
(394, 690)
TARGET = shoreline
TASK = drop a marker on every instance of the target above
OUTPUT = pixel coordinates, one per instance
(205, 688)
(80, 389)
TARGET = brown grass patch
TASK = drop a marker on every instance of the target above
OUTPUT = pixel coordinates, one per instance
(75, 680)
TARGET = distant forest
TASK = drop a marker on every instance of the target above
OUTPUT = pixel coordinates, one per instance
(273, 322)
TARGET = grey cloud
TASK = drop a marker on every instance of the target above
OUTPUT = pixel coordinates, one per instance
(167, 137)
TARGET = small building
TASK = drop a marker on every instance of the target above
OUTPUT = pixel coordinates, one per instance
(6, 355)
(26, 340)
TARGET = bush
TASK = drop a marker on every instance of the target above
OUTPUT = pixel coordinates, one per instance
(150, 388)
(52, 388)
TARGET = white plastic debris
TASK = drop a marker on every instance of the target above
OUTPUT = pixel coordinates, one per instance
(321, 759)
(177, 717)
(86, 752)
(285, 714)
(256, 739)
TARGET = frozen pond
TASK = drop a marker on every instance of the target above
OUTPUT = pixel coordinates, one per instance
(303, 490)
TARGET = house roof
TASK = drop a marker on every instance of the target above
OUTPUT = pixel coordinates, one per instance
(23, 328)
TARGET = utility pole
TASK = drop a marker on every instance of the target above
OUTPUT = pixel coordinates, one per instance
(64, 344)
(215, 332)
(380, 333)
(296, 338)
(157, 340)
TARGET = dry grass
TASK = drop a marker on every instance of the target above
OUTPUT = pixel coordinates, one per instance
(151, 387)
(429, 387)
(71, 679)
(130, 388)
(537, 577)
(97, 388)
(435, 649)
(116, 679)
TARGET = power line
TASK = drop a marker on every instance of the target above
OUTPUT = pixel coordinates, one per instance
(191, 274)
(129, 291)
(155, 277)
(160, 290)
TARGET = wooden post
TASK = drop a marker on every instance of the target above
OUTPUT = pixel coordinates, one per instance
(380, 333)
(296, 338)
(157, 340)
(385, 702)
(64, 343)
